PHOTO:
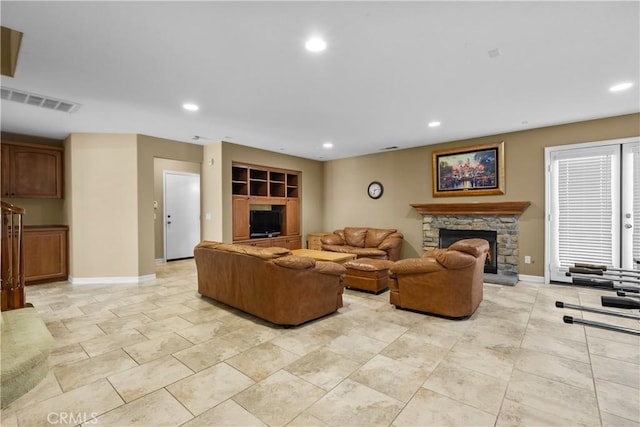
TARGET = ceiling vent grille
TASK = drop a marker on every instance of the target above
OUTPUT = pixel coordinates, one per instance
(39, 100)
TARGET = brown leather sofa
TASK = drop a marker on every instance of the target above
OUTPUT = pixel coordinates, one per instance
(269, 282)
(376, 243)
(446, 282)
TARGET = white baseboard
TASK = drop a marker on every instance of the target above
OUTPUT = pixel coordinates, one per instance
(531, 279)
(159, 260)
(110, 280)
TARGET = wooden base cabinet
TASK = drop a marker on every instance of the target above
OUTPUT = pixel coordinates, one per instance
(289, 242)
(45, 253)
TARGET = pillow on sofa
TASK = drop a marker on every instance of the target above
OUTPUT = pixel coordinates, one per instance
(295, 262)
(375, 236)
(355, 236)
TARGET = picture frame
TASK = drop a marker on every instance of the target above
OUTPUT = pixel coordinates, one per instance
(471, 171)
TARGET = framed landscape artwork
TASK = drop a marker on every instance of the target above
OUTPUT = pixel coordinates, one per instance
(472, 171)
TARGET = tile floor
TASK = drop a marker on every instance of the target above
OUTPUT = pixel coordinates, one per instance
(158, 354)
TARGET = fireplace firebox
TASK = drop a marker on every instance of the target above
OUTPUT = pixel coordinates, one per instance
(448, 237)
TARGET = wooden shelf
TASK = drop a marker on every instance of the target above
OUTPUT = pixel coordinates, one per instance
(263, 185)
(477, 208)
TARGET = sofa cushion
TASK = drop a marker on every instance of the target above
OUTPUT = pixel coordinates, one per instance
(355, 236)
(263, 253)
(338, 248)
(295, 262)
(375, 236)
(366, 252)
(368, 264)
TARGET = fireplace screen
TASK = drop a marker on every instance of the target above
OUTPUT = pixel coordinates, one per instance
(448, 237)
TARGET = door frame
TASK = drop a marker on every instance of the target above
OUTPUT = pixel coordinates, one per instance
(547, 189)
(166, 172)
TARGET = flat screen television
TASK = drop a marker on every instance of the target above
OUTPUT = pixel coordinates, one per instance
(264, 223)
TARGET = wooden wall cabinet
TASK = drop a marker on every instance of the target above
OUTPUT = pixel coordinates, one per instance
(45, 253)
(31, 171)
(262, 185)
(240, 217)
(292, 217)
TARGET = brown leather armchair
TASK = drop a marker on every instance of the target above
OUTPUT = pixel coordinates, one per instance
(375, 243)
(446, 282)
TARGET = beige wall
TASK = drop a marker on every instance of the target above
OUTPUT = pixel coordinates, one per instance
(101, 205)
(311, 194)
(109, 193)
(40, 211)
(212, 193)
(150, 148)
(406, 176)
(160, 166)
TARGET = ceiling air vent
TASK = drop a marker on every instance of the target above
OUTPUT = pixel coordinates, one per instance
(39, 100)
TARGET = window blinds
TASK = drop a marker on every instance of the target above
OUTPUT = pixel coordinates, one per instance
(585, 208)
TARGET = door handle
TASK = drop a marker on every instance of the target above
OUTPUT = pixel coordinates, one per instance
(628, 226)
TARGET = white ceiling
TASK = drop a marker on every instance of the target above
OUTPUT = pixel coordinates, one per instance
(389, 69)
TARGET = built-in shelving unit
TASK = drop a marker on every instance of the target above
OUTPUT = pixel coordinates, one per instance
(266, 186)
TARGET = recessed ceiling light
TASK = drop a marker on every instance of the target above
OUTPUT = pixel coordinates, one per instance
(434, 124)
(620, 87)
(328, 145)
(494, 53)
(315, 45)
(190, 107)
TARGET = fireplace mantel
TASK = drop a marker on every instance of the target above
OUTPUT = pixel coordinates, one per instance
(475, 208)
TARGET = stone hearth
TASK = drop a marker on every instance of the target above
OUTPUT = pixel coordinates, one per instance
(499, 217)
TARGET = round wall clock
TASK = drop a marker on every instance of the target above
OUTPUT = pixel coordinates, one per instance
(375, 190)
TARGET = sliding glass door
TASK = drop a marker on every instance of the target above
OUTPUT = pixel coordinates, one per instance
(592, 206)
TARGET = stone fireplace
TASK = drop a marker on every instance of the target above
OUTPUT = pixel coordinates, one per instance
(498, 217)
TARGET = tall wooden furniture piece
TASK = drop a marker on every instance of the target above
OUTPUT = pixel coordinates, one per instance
(314, 242)
(35, 171)
(12, 259)
(45, 253)
(31, 171)
(253, 186)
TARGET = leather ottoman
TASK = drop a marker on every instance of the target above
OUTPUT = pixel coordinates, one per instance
(366, 274)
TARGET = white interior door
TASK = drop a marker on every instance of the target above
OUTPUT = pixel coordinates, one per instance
(592, 206)
(181, 214)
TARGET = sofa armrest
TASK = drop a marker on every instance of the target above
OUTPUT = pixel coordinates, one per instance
(332, 239)
(331, 268)
(415, 266)
(390, 243)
